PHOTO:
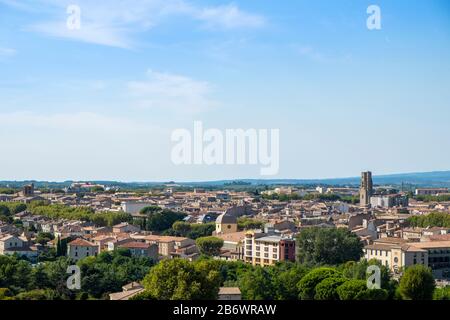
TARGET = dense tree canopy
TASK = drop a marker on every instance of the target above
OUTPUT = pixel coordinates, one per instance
(328, 246)
(307, 285)
(100, 275)
(158, 219)
(434, 219)
(245, 223)
(442, 293)
(178, 279)
(417, 283)
(191, 230)
(209, 246)
(57, 211)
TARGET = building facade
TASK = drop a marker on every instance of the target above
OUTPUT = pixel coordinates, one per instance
(265, 249)
(366, 189)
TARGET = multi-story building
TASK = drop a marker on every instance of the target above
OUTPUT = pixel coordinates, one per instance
(433, 254)
(141, 249)
(10, 245)
(267, 249)
(172, 246)
(366, 189)
(389, 201)
(134, 207)
(80, 248)
(431, 191)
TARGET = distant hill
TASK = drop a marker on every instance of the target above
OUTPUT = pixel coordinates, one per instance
(430, 179)
(421, 179)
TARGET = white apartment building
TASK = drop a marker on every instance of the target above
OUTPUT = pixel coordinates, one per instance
(133, 207)
(265, 250)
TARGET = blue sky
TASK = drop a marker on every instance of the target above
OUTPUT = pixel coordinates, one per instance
(101, 102)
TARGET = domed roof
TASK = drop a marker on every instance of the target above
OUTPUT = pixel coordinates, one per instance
(226, 218)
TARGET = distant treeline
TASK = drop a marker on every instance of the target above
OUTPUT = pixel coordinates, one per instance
(434, 219)
(441, 198)
(59, 211)
(321, 197)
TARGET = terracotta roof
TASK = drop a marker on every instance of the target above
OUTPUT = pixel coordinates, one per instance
(135, 244)
(82, 243)
(432, 244)
(229, 290)
(125, 295)
(232, 237)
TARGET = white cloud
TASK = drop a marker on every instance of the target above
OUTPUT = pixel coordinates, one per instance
(172, 91)
(229, 17)
(7, 52)
(116, 22)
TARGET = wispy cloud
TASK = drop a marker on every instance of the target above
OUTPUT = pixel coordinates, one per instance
(117, 22)
(79, 121)
(315, 55)
(229, 17)
(172, 91)
(7, 52)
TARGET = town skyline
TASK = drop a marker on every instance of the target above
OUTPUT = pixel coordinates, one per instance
(442, 176)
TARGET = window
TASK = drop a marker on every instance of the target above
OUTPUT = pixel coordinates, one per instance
(266, 255)
(275, 250)
(274, 256)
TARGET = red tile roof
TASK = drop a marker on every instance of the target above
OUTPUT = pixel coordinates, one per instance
(82, 243)
(135, 245)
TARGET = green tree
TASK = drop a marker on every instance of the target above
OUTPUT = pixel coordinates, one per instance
(442, 293)
(179, 279)
(37, 294)
(257, 284)
(307, 285)
(182, 228)
(150, 210)
(5, 294)
(44, 237)
(328, 246)
(352, 289)
(327, 288)
(209, 246)
(417, 283)
(358, 270)
(163, 220)
(286, 277)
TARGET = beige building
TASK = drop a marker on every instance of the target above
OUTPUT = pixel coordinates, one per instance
(396, 256)
(172, 246)
(141, 249)
(233, 245)
(229, 293)
(80, 248)
(433, 254)
(128, 291)
(226, 223)
(10, 245)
